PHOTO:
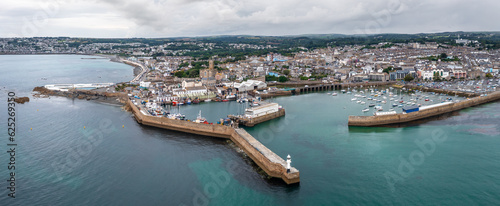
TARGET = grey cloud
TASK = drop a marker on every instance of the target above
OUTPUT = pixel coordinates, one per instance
(166, 18)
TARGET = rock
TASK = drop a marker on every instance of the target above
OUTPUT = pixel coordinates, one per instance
(21, 100)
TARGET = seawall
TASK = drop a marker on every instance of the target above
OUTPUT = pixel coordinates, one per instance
(369, 121)
(267, 160)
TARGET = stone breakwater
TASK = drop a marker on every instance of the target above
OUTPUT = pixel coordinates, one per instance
(271, 163)
(369, 121)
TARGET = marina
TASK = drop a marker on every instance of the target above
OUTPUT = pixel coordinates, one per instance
(415, 113)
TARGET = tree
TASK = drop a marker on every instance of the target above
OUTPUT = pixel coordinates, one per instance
(282, 79)
(286, 72)
(388, 69)
(408, 78)
(437, 77)
(180, 74)
(271, 78)
(489, 75)
(443, 56)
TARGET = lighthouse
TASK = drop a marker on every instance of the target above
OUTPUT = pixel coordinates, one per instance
(288, 162)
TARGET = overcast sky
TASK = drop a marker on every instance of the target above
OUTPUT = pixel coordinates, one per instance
(174, 18)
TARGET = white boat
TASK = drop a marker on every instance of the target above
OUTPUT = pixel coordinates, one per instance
(208, 100)
(334, 94)
(365, 110)
(353, 99)
(200, 119)
(379, 108)
(363, 102)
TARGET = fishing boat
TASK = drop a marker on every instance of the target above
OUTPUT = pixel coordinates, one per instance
(231, 97)
(200, 119)
(196, 101)
(177, 116)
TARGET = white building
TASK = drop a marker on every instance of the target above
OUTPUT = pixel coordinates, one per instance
(144, 84)
(261, 110)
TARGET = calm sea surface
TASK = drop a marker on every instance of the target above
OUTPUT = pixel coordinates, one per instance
(116, 161)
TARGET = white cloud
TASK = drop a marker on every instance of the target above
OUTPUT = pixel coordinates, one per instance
(167, 18)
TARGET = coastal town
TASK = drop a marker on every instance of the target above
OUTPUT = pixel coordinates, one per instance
(401, 82)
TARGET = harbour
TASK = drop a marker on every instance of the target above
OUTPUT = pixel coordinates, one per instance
(425, 112)
(143, 163)
(271, 163)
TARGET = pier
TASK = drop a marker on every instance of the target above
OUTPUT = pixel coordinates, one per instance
(256, 115)
(267, 160)
(370, 121)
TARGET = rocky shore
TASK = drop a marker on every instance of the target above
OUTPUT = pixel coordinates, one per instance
(21, 100)
(106, 97)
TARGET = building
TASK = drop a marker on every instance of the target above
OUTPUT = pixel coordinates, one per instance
(249, 85)
(208, 76)
(261, 110)
(399, 74)
(378, 77)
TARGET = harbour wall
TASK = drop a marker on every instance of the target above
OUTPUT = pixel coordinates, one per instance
(369, 121)
(267, 160)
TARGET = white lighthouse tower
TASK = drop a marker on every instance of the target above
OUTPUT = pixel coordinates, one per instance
(288, 162)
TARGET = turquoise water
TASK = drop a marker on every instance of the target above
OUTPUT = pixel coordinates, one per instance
(115, 161)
